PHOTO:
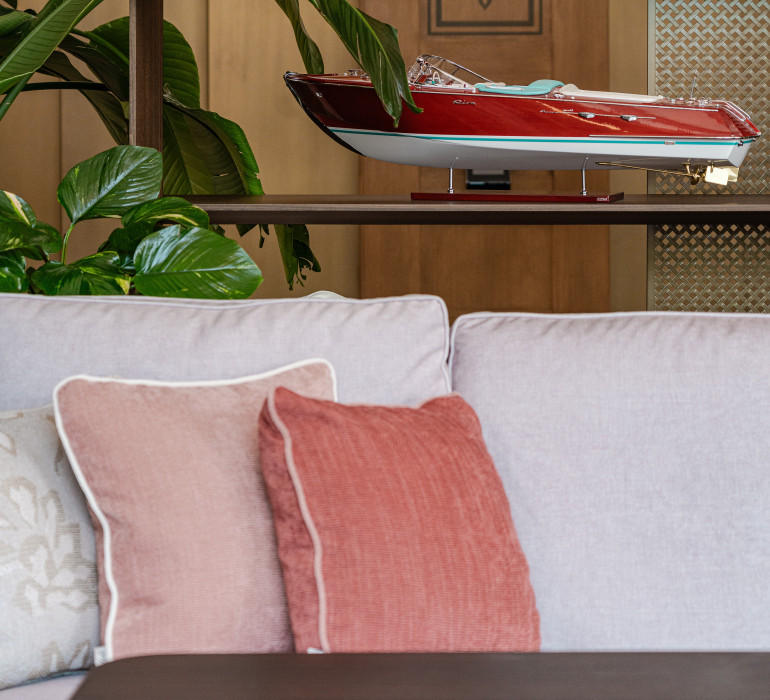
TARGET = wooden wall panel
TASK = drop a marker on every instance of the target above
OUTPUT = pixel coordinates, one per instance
(581, 254)
(495, 268)
(251, 46)
(628, 73)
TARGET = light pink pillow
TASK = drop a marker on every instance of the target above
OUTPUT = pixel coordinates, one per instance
(186, 552)
(394, 531)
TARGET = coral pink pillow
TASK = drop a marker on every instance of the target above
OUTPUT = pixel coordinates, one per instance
(186, 554)
(394, 531)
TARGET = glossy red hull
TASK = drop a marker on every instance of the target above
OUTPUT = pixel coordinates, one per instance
(550, 131)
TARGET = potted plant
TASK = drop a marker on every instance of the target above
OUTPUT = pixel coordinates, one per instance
(204, 153)
(164, 246)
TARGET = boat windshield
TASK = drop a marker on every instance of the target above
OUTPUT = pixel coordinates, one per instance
(435, 70)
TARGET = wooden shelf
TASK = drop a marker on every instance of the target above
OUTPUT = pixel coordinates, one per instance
(400, 209)
(147, 129)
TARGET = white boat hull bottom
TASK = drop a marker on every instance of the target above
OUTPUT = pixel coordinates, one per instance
(514, 153)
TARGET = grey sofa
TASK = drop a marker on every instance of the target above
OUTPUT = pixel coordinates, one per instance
(634, 450)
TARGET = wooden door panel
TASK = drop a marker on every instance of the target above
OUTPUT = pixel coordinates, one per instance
(532, 268)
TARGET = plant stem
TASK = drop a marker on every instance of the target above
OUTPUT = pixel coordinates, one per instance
(64, 245)
(13, 93)
(65, 85)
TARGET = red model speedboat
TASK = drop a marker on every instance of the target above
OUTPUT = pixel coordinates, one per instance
(469, 121)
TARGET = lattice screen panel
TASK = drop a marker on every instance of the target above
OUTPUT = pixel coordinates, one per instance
(723, 46)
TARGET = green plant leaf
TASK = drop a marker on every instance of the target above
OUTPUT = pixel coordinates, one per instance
(14, 208)
(126, 240)
(294, 244)
(175, 209)
(95, 274)
(374, 45)
(13, 276)
(311, 55)
(223, 148)
(199, 264)
(16, 234)
(184, 170)
(11, 20)
(43, 35)
(107, 105)
(111, 182)
(180, 70)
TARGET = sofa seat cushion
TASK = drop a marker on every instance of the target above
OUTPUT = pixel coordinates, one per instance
(59, 688)
(391, 350)
(393, 529)
(635, 452)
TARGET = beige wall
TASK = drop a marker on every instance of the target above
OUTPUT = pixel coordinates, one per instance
(243, 48)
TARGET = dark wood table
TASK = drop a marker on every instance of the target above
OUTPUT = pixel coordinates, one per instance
(683, 676)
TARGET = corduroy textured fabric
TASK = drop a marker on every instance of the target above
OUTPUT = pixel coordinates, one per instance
(394, 531)
(185, 542)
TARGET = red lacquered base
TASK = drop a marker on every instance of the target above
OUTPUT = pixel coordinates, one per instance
(488, 197)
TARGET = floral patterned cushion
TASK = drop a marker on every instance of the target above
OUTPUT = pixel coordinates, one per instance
(49, 612)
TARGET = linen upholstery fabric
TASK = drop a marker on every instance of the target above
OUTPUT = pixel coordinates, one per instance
(645, 528)
(49, 617)
(59, 688)
(186, 545)
(389, 351)
(393, 528)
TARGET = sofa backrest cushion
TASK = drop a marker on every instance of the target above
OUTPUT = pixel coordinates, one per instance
(635, 452)
(389, 351)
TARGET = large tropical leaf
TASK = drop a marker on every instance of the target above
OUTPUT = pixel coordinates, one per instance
(14, 208)
(11, 20)
(107, 105)
(16, 234)
(224, 149)
(184, 169)
(311, 55)
(175, 209)
(41, 38)
(374, 45)
(199, 263)
(95, 274)
(111, 42)
(294, 244)
(111, 182)
(108, 65)
(13, 276)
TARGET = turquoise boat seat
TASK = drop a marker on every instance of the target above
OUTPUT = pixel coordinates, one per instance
(539, 87)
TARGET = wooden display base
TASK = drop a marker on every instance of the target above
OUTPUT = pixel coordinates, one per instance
(487, 197)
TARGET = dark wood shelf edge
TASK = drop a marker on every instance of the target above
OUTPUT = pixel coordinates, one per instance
(401, 210)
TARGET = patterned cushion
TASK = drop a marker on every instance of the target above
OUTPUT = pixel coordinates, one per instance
(393, 527)
(49, 619)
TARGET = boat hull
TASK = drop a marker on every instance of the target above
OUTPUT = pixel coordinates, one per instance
(469, 129)
(526, 153)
